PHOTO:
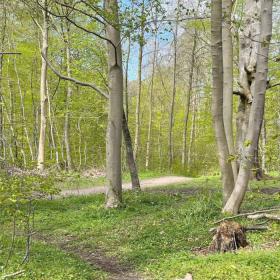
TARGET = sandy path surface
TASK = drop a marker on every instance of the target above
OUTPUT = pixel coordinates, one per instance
(145, 184)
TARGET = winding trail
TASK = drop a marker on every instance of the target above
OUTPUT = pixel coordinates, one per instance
(145, 184)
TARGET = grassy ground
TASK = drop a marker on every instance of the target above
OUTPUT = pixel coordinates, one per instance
(154, 233)
(75, 181)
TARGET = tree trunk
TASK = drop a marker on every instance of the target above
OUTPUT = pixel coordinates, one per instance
(172, 105)
(189, 94)
(264, 146)
(193, 129)
(43, 90)
(3, 36)
(51, 122)
(257, 110)
(129, 155)
(138, 102)
(249, 41)
(148, 150)
(217, 98)
(126, 79)
(67, 103)
(115, 112)
(228, 80)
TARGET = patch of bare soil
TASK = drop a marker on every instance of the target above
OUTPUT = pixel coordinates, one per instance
(95, 257)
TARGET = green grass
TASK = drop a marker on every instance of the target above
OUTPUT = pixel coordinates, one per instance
(75, 181)
(155, 232)
(46, 262)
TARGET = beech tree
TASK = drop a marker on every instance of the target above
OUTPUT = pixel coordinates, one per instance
(217, 98)
(43, 88)
(258, 90)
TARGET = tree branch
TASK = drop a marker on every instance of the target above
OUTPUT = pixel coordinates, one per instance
(78, 82)
(247, 214)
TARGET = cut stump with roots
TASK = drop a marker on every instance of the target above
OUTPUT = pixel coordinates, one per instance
(229, 236)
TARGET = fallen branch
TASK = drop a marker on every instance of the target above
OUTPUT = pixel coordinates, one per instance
(251, 228)
(264, 215)
(12, 274)
(247, 214)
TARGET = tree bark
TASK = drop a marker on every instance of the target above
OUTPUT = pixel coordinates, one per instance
(257, 110)
(228, 80)
(249, 41)
(126, 79)
(129, 155)
(172, 105)
(138, 102)
(217, 98)
(115, 112)
(193, 130)
(148, 150)
(67, 102)
(43, 90)
(189, 94)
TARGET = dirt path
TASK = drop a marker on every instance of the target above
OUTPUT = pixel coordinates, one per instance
(145, 184)
(96, 257)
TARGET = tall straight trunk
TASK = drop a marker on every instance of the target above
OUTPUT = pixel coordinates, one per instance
(147, 164)
(35, 113)
(51, 123)
(257, 110)
(115, 111)
(67, 102)
(80, 142)
(126, 79)
(228, 79)
(193, 128)
(43, 91)
(139, 93)
(172, 105)
(187, 106)
(217, 98)
(264, 140)
(1, 106)
(129, 155)
(3, 37)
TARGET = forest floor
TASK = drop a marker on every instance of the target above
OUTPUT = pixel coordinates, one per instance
(155, 235)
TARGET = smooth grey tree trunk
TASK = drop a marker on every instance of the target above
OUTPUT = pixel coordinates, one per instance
(228, 79)
(67, 102)
(115, 110)
(43, 89)
(139, 93)
(256, 112)
(249, 41)
(188, 99)
(129, 156)
(126, 80)
(217, 98)
(174, 88)
(151, 93)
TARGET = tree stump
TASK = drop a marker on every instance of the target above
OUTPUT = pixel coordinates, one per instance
(229, 236)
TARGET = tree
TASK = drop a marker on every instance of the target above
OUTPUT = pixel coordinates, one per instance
(228, 79)
(217, 98)
(257, 110)
(43, 90)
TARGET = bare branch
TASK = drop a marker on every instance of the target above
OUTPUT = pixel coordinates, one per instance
(247, 214)
(80, 83)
